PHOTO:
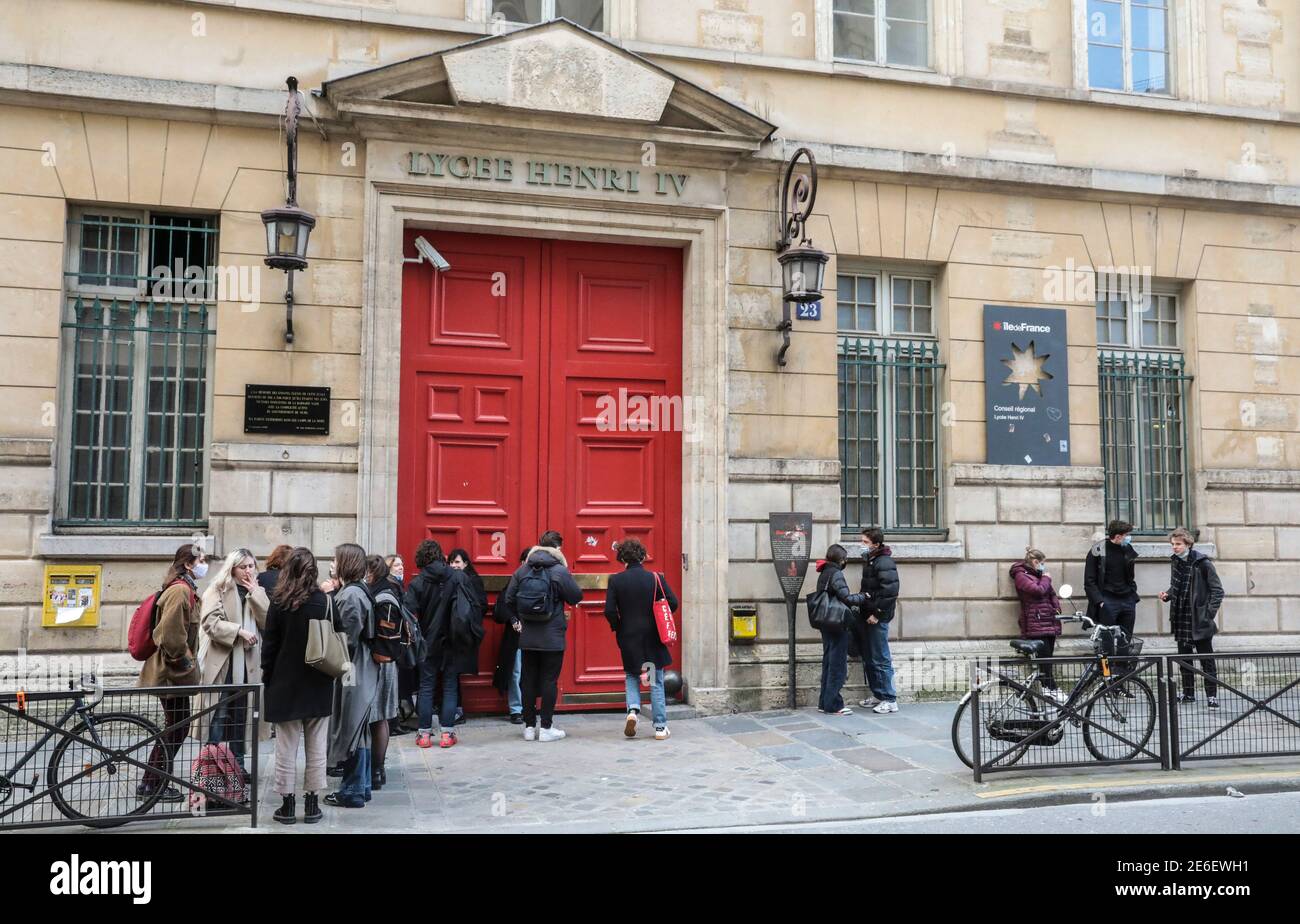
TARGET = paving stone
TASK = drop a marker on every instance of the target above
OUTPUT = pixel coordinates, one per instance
(824, 739)
(732, 725)
(796, 756)
(797, 726)
(872, 759)
(761, 739)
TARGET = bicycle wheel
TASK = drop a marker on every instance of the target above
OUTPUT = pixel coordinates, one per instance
(1110, 714)
(102, 795)
(998, 701)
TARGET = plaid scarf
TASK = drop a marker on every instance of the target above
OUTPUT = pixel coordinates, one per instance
(1180, 599)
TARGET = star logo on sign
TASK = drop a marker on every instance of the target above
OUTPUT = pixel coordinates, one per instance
(1026, 369)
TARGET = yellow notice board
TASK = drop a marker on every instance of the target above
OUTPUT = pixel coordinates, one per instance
(71, 596)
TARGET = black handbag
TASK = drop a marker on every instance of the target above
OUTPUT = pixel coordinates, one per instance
(826, 612)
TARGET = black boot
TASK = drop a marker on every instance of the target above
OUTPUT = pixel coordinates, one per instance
(310, 809)
(287, 812)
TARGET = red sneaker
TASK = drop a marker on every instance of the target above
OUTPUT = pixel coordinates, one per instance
(424, 740)
(448, 740)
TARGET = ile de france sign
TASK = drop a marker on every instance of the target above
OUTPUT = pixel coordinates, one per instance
(547, 173)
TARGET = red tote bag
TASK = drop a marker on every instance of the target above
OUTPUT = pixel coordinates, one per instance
(664, 621)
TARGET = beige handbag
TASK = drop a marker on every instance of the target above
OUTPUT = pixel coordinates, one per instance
(327, 647)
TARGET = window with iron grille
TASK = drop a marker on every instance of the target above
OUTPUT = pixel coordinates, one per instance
(888, 378)
(138, 331)
(1142, 392)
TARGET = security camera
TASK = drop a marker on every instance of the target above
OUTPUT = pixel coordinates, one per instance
(428, 252)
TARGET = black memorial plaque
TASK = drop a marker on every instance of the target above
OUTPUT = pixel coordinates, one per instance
(791, 535)
(287, 410)
(1026, 386)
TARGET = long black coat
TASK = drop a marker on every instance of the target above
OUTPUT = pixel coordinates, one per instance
(628, 609)
(422, 594)
(450, 653)
(1206, 592)
(293, 690)
(505, 666)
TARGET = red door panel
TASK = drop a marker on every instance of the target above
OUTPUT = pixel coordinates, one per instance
(538, 382)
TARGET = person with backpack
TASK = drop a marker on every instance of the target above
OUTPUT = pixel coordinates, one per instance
(384, 649)
(1194, 597)
(421, 600)
(455, 633)
(232, 616)
(408, 678)
(509, 664)
(354, 701)
(175, 637)
(835, 641)
(298, 698)
(629, 608)
(538, 594)
(1039, 607)
(880, 585)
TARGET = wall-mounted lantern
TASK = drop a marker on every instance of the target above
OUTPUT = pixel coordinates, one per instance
(289, 228)
(803, 266)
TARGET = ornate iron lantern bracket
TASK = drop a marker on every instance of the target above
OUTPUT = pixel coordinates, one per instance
(802, 264)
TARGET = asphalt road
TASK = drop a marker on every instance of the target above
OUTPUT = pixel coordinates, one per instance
(1272, 813)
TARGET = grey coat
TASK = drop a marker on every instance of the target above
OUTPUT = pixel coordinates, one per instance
(354, 614)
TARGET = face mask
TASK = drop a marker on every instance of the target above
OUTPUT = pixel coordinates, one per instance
(1126, 541)
(1182, 556)
(1040, 565)
(201, 570)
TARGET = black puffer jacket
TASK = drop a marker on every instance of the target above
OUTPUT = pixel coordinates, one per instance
(880, 583)
(549, 635)
(830, 577)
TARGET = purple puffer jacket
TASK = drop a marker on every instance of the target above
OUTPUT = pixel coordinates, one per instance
(1038, 602)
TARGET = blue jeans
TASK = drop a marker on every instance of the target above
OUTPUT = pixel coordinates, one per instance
(424, 698)
(835, 670)
(514, 695)
(450, 697)
(658, 703)
(880, 669)
(355, 790)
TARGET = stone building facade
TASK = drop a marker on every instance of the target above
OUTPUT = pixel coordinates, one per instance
(969, 152)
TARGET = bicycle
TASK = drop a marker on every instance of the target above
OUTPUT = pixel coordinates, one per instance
(90, 776)
(1117, 712)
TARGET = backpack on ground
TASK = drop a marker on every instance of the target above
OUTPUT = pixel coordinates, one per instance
(392, 629)
(216, 771)
(139, 634)
(535, 597)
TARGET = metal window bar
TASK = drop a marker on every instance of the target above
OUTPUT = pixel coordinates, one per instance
(1143, 438)
(888, 426)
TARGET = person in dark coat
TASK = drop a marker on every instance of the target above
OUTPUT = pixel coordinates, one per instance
(421, 599)
(274, 562)
(408, 678)
(1194, 597)
(835, 643)
(455, 633)
(543, 640)
(1109, 581)
(629, 611)
(297, 698)
(1039, 607)
(509, 666)
(880, 584)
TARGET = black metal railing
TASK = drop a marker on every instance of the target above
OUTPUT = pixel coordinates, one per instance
(104, 757)
(1257, 712)
(1073, 712)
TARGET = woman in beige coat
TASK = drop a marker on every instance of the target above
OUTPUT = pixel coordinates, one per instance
(231, 621)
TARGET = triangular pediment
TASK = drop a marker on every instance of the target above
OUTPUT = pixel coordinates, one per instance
(556, 68)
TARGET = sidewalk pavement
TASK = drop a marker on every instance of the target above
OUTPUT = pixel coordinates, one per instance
(716, 772)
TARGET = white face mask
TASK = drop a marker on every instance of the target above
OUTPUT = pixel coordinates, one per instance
(201, 570)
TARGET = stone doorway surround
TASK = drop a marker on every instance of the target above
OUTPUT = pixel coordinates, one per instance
(591, 101)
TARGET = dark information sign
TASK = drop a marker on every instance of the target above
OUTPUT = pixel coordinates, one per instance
(791, 535)
(1026, 386)
(290, 410)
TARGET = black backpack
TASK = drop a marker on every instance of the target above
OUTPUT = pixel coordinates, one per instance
(393, 629)
(534, 598)
(466, 619)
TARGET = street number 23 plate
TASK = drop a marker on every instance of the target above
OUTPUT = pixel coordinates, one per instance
(810, 311)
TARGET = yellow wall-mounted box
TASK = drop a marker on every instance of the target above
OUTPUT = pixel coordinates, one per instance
(70, 599)
(744, 622)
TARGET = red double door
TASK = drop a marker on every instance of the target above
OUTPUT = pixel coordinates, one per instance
(540, 385)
